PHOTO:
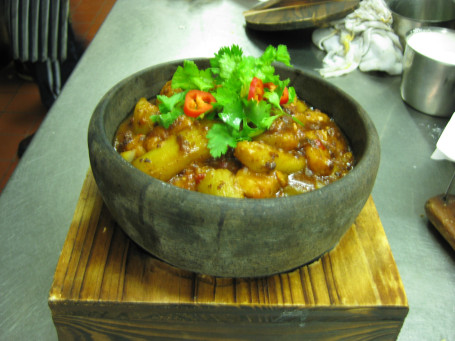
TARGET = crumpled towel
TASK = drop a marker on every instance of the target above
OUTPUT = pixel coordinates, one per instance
(445, 147)
(364, 39)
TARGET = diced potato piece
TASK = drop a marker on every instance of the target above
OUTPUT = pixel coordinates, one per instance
(260, 157)
(312, 117)
(174, 154)
(301, 106)
(319, 160)
(136, 145)
(181, 123)
(129, 155)
(141, 117)
(319, 134)
(161, 162)
(220, 182)
(258, 185)
(282, 178)
(286, 140)
(155, 137)
(168, 91)
(290, 190)
(317, 152)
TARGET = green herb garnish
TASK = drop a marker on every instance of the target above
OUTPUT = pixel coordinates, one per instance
(228, 79)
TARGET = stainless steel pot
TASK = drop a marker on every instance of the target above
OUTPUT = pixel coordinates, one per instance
(428, 81)
(410, 14)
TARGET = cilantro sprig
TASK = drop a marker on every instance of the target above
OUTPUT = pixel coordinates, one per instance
(170, 108)
(190, 77)
(228, 79)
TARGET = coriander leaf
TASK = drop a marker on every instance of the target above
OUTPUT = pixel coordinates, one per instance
(269, 120)
(274, 99)
(190, 77)
(226, 94)
(232, 114)
(234, 120)
(168, 103)
(247, 69)
(230, 105)
(170, 108)
(228, 66)
(220, 138)
(258, 113)
(282, 55)
(225, 60)
(268, 73)
(279, 54)
(292, 94)
(274, 96)
(205, 80)
(247, 132)
(269, 55)
(167, 119)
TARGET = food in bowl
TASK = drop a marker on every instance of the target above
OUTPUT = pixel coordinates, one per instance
(222, 236)
(234, 129)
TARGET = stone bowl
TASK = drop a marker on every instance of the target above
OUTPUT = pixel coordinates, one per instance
(230, 237)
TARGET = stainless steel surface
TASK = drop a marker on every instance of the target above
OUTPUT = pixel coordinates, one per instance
(37, 205)
(428, 81)
(410, 14)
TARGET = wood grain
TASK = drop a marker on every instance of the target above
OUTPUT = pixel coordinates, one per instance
(105, 286)
(440, 210)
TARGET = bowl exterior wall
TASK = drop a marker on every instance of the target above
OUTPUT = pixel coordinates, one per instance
(223, 236)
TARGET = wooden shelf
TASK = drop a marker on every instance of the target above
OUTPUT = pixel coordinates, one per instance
(107, 286)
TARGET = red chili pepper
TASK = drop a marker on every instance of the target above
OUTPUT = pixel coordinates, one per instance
(269, 85)
(198, 102)
(256, 89)
(284, 97)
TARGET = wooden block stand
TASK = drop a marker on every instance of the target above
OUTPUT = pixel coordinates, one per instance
(106, 287)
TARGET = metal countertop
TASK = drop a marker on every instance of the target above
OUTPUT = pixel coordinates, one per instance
(37, 205)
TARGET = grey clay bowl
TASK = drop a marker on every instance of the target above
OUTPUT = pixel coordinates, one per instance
(224, 236)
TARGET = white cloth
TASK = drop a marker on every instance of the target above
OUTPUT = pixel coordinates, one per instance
(445, 147)
(364, 39)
